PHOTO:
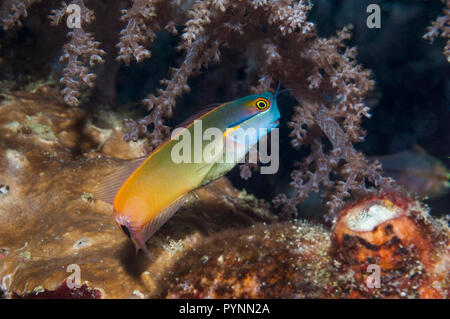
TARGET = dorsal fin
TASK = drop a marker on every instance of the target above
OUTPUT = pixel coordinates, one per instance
(199, 114)
(109, 187)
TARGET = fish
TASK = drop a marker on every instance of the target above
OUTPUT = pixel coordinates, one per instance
(417, 171)
(148, 191)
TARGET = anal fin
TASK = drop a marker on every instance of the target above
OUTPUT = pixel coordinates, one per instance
(156, 223)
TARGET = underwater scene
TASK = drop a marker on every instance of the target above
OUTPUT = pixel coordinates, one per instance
(237, 149)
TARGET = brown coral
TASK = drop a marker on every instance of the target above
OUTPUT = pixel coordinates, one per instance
(441, 28)
(80, 54)
(275, 261)
(142, 21)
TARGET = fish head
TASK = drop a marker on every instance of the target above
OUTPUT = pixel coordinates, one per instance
(256, 115)
(123, 221)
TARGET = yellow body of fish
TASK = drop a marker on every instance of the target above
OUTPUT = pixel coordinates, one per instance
(155, 187)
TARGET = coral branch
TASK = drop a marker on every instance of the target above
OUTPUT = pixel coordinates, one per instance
(80, 54)
(136, 37)
(199, 54)
(441, 28)
(352, 172)
(11, 11)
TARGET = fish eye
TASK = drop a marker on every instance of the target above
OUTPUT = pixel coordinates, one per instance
(125, 230)
(261, 104)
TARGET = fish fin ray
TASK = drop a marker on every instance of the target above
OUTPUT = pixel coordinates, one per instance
(140, 245)
(162, 218)
(109, 187)
(154, 225)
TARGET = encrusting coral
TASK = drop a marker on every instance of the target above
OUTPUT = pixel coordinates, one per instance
(394, 233)
(283, 260)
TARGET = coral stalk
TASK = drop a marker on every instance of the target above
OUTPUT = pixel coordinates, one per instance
(441, 28)
(80, 54)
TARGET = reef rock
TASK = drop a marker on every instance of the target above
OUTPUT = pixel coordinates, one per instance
(283, 260)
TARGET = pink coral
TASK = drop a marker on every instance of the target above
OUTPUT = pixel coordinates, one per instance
(81, 53)
(12, 11)
(441, 28)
